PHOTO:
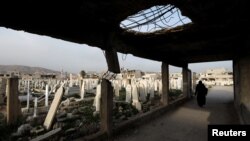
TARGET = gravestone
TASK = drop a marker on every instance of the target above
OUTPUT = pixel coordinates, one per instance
(128, 93)
(97, 102)
(35, 107)
(151, 91)
(13, 103)
(135, 98)
(47, 95)
(117, 89)
(53, 108)
(82, 90)
(135, 95)
(71, 80)
(145, 84)
(160, 87)
(138, 106)
(142, 93)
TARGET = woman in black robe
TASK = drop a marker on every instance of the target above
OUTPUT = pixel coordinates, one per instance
(201, 92)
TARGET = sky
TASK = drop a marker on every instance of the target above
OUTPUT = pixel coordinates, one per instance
(21, 48)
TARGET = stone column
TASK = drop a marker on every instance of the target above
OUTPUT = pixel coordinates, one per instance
(71, 80)
(13, 103)
(241, 68)
(189, 86)
(236, 77)
(194, 81)
(112, 60)
(165, 83)
(82, 90)
(35, 107)
(106, 107)
(185, 81)
(47, 95)
(2, 90)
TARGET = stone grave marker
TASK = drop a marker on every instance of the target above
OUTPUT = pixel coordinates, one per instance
(128, 93)
(53, 108)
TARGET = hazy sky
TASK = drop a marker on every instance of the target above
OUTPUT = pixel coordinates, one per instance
(21, 48)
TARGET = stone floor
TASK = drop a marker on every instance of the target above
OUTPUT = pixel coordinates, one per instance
(188, 122)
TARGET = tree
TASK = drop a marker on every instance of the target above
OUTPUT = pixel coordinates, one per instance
(82, 73)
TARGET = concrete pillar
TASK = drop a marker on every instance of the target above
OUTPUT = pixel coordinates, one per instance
(165, 83)
(112, 60)
(236, 77)
(106, 107)
(193, 81)
(13, 103)
(189, 86)
(185, 81)
(241, 68)
(2, 90)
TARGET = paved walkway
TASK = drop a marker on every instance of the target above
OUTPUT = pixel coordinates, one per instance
(188, 122)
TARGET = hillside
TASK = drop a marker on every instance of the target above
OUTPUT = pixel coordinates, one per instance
(25, 69)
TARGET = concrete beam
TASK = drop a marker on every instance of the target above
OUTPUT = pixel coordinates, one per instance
(112, 60)
(189, 86)
(193, 81)
(106, 107)
(165, 83)
(13, 103)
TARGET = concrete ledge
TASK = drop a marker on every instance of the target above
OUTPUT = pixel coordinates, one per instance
(135, 121)
(139, 120)
(99, 136)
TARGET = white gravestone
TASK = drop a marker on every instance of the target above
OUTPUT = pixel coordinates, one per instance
(53, 108)
(71, 80)
(142, 93)
(83, 90)
(117, 89)
(135, 95)
(160, 87)
(47, 95)
(135, 98)
(35, 107)
(97, 102)
(128, 93)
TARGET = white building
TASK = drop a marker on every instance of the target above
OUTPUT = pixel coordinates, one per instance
(220, 77)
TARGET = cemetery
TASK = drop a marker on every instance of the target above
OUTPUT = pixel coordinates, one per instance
(174, 33)
(53, 108)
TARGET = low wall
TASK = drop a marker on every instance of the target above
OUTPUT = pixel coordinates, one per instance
(136, 121)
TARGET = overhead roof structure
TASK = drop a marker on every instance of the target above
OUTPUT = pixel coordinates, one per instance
(219, 28)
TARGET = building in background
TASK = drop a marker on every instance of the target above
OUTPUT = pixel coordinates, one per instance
(218, 77)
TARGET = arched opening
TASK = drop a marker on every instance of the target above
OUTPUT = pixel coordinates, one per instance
(218, 78)
(43, 65)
